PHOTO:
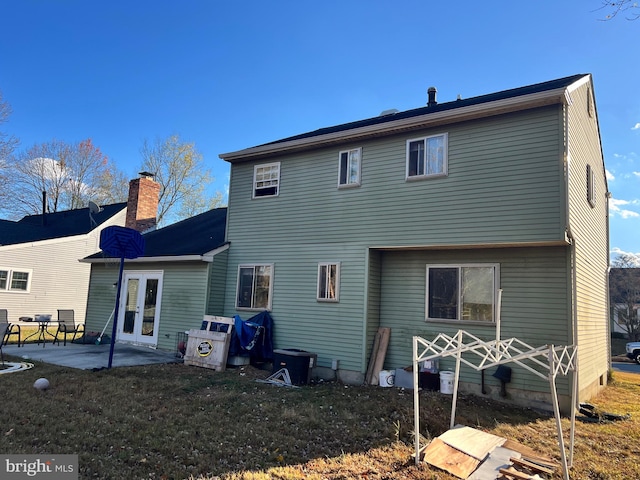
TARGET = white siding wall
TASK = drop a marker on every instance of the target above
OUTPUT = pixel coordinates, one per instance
(59, 280)
(589, 228)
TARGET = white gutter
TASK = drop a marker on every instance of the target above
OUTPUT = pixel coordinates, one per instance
(205, 257)
(459, 114)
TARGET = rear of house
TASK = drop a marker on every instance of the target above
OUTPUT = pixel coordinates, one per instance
(415, 220)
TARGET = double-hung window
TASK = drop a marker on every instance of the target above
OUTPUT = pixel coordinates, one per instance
(350, 168)
(255, 287)
(427, 156)
(266, 180)
(328, 282)
(15, 280)
(462, 292)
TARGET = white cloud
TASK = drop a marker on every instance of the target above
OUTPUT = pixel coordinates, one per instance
(636, 126)
(610, 176)
(633, 256)
(637, 174)
(614, 208)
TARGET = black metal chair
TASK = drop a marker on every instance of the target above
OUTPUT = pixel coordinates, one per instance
(3, 331)
(67, 326)
(12, 328)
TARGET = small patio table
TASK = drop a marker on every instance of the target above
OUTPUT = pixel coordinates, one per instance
(43, 322)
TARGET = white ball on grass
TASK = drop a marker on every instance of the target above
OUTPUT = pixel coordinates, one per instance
(41, 384)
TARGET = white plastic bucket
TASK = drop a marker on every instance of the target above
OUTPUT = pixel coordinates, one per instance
(387, 378)
(446, 382)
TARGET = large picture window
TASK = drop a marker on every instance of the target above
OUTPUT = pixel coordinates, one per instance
(15, 280)
(427, 157)
(461, 292)
(328, 282)
(255, 283)
(266, 180)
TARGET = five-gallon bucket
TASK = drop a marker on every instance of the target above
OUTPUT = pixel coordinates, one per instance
(446, 382)
(387, 378)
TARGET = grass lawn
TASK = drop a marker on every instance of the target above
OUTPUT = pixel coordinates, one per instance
(181, 422)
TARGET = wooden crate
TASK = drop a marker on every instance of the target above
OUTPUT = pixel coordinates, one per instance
(209, 349)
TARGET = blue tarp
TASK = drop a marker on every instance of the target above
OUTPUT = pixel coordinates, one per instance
(253, 337)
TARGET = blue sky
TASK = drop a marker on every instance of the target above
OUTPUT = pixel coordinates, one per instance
(230, 75)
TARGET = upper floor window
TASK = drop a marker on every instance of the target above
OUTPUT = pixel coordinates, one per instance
(328, 282)
(461, 292)
(591, 186)
(266, 180)
(255, 286)
(15, 280)
(427, 157)
(350, 167)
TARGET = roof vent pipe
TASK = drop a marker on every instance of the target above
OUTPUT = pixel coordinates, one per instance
(431, 92)
(44, 208)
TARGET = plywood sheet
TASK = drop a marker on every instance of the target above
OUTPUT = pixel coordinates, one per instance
(447, 458)
(473, 442)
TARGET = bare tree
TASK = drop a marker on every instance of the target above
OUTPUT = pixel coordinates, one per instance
(179, 169)
(69, 174)
(624, 288)
(630, 8)
(8, 143)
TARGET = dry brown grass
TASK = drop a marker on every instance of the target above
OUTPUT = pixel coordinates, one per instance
(178, 422)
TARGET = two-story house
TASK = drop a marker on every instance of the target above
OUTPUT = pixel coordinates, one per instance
(415, 220)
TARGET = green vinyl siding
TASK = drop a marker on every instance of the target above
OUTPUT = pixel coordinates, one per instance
(374, 281)
(333, 330)
(184, 289)
(217, 284)
(534, 303)
(504, 183)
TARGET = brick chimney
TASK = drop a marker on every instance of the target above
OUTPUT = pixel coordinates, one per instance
(142, 206)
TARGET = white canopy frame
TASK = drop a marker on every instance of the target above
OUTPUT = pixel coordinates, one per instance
(559, 360)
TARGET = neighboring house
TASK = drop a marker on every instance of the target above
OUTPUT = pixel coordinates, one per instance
(624, 285)
(414, 220)
(179, 278)
(39, 268)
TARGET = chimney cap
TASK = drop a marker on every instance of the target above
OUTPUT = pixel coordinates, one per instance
(147, 175)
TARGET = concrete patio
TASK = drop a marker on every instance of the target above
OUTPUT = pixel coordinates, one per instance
(89, 356)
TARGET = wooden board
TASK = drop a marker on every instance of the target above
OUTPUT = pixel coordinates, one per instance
(447, 458)
(473, 442)
(378, 353)
(530, 454)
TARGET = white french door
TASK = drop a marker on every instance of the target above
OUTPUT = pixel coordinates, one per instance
(139, 312)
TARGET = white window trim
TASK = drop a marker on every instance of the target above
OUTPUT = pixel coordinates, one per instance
(254, 265)
(357, 182)
(591, 186)
(337, 297)
(10, 272)
(496, 283)
(255, 186)
(445, 168)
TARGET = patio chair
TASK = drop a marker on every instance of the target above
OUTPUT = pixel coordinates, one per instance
(12, 328)
(3, 331)
(67, 326)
